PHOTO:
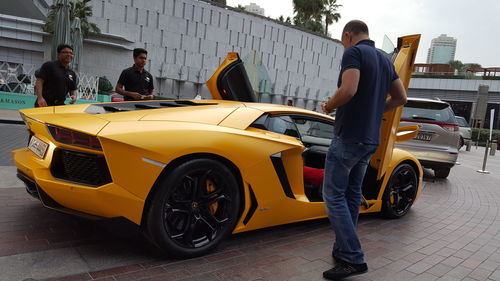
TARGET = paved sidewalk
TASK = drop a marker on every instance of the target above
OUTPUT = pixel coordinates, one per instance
(452, 233)
(10, 116)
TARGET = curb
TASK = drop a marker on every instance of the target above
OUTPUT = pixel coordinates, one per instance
(12, 121)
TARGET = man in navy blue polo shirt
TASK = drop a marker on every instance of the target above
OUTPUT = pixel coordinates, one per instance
(366, 78)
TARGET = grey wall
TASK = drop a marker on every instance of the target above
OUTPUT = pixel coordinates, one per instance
(21, 40)
(188, 39)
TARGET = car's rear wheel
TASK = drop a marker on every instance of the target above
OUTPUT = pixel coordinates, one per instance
(194, 209)
(400, 192)
(441, 173)
(462, 142)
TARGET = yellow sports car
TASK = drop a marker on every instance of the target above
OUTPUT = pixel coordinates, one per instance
(191, 172)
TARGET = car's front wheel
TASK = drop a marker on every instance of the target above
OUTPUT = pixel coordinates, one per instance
(194, 209)
(400, 192)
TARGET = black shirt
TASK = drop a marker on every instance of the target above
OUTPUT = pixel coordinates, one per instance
(58, 81)
(135, 81)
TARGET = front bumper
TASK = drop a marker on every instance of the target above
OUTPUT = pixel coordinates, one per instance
(105, 201)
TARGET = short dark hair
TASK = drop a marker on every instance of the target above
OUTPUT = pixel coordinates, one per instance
(63, 46)
(357, 27)
(138, 51)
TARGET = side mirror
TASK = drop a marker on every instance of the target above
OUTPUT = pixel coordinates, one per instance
(406, 133)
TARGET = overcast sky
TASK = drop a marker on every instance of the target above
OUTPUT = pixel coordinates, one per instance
(474, 23)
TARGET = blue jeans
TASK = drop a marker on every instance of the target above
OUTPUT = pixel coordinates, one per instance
(345, 168)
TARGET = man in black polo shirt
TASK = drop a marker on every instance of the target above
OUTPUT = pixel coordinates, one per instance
(366, 77)
(55, 79)
(137, 81)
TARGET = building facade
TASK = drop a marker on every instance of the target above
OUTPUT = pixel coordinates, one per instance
(442, 49)
(254, 8)
(188, 39)
(460, 93)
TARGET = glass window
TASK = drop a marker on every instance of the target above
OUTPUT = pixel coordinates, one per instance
(283, 124)
(313, 128)
(461, 122)
(428, 111)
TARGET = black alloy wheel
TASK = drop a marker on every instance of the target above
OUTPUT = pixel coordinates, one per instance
(400, 192)
(196, 207)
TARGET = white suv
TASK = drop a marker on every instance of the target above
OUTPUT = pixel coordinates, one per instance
(436, 145)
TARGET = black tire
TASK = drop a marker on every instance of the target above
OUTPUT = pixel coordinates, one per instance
(195, 208)
(441, 173)
(461, 144)
(400, 192)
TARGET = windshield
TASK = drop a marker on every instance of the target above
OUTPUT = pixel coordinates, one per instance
(389, 49)
(428, 111)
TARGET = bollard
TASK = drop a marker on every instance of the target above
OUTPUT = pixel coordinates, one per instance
(468, 144)
(493, 148)
(483, 170)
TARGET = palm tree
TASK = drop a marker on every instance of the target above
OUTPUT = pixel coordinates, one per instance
(222, 2)
(308, 14)
(330, 13)
(78, 9)
(457, 65)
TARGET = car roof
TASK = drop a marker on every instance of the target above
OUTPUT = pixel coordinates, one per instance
(426, 100)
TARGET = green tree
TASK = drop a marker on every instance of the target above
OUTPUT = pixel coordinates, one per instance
(308, 14)
(330, 12)
(456, 65)
(282, 19)
(472, 65)
(104, 87)
(240, 7)
(221, 2)
(78, 9)
(308, 10)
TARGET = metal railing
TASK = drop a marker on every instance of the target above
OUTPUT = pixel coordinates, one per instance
(20, 78)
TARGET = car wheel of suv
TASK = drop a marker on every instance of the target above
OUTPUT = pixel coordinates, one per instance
(462, 142)
(441, 173)
(194, 209)
(400, 192)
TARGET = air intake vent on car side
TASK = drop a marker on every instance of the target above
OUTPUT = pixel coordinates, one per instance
(80, 167)
(131, 106)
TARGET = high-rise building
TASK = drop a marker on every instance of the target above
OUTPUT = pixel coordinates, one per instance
(442, 49)
(254, 8)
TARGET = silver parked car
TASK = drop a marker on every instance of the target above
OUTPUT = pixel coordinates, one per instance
(464, 130)
(436, 145)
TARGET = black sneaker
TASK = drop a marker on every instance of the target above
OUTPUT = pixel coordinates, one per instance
(336, 259)
(344, 269)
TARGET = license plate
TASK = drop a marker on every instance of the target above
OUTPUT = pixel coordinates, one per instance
(38, 146)
(424, 137)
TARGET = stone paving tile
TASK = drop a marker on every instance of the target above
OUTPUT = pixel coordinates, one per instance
(11, 137)
(495, 275)
(480, 274)
(439, 270)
